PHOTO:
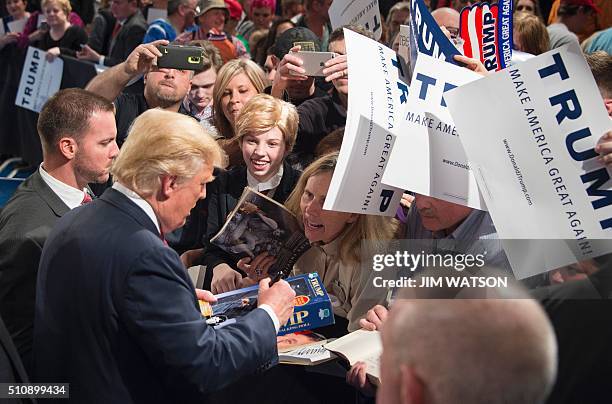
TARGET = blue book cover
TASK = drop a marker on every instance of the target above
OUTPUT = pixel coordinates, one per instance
(312, 310)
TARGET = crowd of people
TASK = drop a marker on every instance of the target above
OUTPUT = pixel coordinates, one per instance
(141, 168)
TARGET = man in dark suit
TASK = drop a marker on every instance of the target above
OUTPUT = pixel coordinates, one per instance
(579, 309)
(11, 368)
(77, 131)
(125, 36)
(128, 328)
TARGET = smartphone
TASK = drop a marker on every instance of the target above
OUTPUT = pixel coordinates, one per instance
(314, 62)
(181, 57)
(44, 26)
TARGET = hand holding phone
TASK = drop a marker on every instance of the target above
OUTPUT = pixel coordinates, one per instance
(313, 62)
(181, 57)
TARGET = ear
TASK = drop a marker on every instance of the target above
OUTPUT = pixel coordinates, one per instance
(411, 386)
(275, 61)
(353, 218)
(68, 147)
(608, 104)
(169, 185)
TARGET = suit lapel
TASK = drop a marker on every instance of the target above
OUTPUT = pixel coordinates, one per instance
(51, 199)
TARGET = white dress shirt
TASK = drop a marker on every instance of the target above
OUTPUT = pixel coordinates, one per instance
(71, 196)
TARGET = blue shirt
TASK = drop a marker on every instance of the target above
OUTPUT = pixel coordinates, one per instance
(159, 29)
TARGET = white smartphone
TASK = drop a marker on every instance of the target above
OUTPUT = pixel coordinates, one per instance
(314, 62)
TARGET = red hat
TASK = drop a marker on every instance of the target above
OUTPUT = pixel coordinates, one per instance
(235, 9)
(585, 3)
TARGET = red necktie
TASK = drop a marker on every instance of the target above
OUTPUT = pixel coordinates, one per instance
(116, 30)
(86, 199)
(161, 235)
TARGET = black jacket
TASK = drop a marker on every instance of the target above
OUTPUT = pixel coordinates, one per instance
(318, 117)
(129, 37)
(25, 224)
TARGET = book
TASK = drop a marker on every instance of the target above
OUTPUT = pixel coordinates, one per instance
(260, 224)
(304, 348)
(313, 308)
(306, 356)
(360, 346)
(300, 339)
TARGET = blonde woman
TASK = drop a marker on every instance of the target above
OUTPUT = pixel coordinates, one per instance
(62, 37)
(237, 82)
(336, 239)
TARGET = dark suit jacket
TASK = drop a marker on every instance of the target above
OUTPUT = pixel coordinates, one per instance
(101, 31)
(117, 316)
(129, 37)
(25, 223)
(580, 313)
(222, 196)
(11, 368)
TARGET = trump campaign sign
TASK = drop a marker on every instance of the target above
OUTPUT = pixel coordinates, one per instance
(539, 173)
(487, 33)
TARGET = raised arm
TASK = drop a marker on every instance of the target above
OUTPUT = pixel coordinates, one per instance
(110, 83)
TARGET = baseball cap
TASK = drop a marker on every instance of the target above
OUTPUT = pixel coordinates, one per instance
(296, 36)
(205, 5)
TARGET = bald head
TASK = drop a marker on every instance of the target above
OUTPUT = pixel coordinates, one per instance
(467, 351)
(446, 17)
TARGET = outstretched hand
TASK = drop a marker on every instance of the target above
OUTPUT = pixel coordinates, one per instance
(474, 65)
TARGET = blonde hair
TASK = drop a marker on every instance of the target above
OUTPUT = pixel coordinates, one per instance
(64, 4)
(263, 113)
(367, 227)
(230, 70)
(161, 142)
(531, 32)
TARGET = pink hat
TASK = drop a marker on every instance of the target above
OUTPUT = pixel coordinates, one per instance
(269, 4)
(235, 9)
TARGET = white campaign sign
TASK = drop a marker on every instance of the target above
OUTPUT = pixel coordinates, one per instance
(428, 157)
(39, 80)
(17, 25)
(357, 12)
(369, 132)
(530, 144)
(404, 42)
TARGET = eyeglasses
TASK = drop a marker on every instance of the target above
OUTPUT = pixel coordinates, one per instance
(454, 31)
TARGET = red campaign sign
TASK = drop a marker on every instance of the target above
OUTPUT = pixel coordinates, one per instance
(487, 33)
